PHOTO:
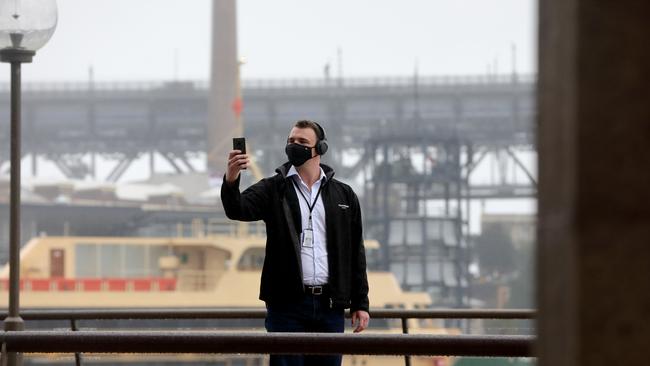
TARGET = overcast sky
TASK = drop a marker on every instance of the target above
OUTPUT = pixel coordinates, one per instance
(145, 39)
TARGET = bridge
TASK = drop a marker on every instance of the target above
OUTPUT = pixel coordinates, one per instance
(71, 124)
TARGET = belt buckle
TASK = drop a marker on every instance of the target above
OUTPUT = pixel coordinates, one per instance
(317, 290)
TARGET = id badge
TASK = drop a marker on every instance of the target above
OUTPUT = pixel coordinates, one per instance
(308, 238)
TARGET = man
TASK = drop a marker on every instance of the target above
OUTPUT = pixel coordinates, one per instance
(315, 265)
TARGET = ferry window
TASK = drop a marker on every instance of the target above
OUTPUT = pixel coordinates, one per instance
(134, 259)
(252, 259)
(85, 260)
(110, 260)
(154, 255)
(117, 260)
(184, 258)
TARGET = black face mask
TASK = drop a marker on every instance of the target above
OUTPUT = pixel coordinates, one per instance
(298, 154)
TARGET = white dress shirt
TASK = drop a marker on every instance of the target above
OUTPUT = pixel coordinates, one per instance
(315, 270)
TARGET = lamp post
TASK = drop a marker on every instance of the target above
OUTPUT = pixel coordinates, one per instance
(25, 26)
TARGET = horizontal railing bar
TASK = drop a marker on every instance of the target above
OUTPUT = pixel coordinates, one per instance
(92, 314)
(258, 313)
(185, 85)
(454, 314)
(265, 343)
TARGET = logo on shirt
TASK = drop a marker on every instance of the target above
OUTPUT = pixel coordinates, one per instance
(343, 207)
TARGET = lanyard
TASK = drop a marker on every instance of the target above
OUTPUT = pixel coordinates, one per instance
(311, 206)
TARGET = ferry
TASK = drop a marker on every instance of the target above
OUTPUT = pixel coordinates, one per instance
(213, 271)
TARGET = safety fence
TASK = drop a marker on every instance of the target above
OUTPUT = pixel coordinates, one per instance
(302, 83)
(183, 341)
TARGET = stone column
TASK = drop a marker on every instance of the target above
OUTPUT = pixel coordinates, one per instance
(594, 185)
(224, 99)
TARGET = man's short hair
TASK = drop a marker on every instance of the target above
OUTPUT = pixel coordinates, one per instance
(310, 124)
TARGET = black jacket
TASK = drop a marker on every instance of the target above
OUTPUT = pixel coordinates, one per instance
(275, 201)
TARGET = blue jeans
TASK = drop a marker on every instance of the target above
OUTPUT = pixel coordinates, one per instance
(313, 314)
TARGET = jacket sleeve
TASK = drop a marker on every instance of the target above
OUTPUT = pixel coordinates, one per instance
(359, 285)
(250, 205)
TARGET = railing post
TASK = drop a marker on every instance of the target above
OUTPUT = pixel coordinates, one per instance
(405, 330)
(77, 355)
(3, 354)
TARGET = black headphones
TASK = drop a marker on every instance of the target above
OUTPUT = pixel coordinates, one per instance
(321, 144)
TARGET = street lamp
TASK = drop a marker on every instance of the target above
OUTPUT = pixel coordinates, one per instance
(25, 26)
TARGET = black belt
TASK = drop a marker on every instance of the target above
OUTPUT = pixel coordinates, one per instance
(317, 290)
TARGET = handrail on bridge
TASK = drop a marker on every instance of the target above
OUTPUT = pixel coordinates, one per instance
(203, 85)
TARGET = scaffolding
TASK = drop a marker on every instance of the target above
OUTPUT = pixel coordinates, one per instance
(413, 192)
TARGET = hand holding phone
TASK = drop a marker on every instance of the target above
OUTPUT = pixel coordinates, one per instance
(239, 143)
(236, 160)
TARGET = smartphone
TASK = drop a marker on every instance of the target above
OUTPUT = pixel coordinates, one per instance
(239, 143)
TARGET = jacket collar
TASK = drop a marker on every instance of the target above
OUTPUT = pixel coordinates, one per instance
(283, 170)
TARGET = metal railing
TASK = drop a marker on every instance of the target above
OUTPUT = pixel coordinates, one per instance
(278, 83)
(77, 341)
(260, 313)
